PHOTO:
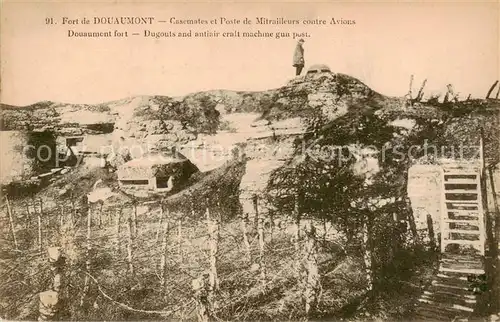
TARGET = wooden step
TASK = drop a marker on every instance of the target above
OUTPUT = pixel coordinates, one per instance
(445, 231)
(457, 290)
(453, 240)
(464, 295)
(429, 312)
(474, 271)
(434, 313)
(463, 217)
(462, 257)
(459, 182)
(461, 221)
(440, 285)
(462, 266)
(456, 199)
(448, 277)
(456, 279)
(461, 191)
(461, 284)
(462, 242)
(428, 315)
(462, 231)
(451, 206)
(462, 201)
(452, 164)
(446, 298)
(463, 211)
(448, 305)
(470, 262)
(467, 213)
(460, 174)
(459, 276)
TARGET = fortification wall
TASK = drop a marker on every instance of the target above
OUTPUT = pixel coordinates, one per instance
(424, 191)
(14, 163)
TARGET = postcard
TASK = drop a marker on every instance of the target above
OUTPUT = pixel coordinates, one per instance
(244, 161)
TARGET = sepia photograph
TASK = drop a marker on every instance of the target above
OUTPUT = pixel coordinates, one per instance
(254, 161)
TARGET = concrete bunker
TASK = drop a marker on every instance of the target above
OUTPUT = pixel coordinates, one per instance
(92, 148)
(317, 69)
(156, 172)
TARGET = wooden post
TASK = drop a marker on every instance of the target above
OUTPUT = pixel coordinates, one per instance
(118, 218)
(179, 240)
(100, 213)
(72, 214)
(432, 236)
(260, 233)
(129, 244)
(421, 91)
(201, 295)
(442, 217)
(193, 201)
(41, 206)
(494, 193)
(271, 225)
(491, 89)
(48, 306)
(56, 260)
(213, 233)
(11, 221)
(481, 154)
(67, 240)
(50, 300)
(134, 220)
(244, 230)
(28, 215)
(411, 221)
(410, 88)
(61, 217)
(117, 222)
(160, 220)
(312, 283)
(39, 217)
(89, 236)
(325, 230)
(367, 253)
(297, 222)
(483, 208)
(163, 256)
(87, 259)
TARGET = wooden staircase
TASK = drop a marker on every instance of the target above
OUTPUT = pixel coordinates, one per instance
(462, 219)
(451, 295)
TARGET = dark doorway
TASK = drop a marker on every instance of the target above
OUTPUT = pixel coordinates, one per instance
(163, 182)
(42, 149)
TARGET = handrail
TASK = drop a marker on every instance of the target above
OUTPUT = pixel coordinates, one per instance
(444, 212)
(481, 151)
(483, 187)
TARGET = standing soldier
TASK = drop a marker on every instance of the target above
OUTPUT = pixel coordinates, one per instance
(298, 57)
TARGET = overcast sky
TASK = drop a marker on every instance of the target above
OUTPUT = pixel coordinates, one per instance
(445, 43)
